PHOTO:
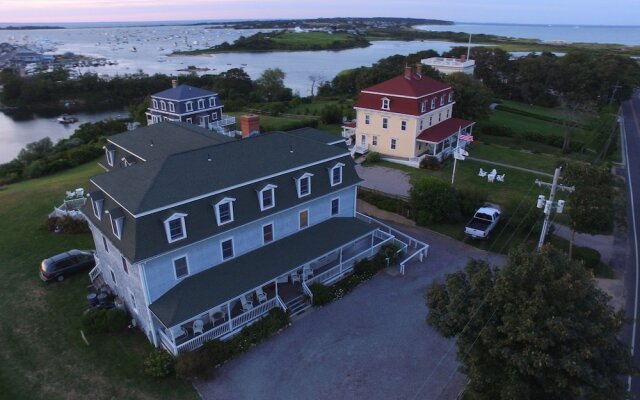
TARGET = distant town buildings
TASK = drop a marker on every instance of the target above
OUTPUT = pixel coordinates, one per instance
(406, 119)
(12, 56)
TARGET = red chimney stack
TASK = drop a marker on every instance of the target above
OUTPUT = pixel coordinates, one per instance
(407, 72)
(174, 83)
(249, 124)
(419, 70)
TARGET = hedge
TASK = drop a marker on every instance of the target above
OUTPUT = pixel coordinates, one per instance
(105, 321)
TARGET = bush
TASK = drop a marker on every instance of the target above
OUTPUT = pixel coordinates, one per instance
(434, 200)
(217, 351)
(469, 199)
(104, 321)
(321, 294)
(66, 224)
(158, 364)
(193, 364)
(372, 157)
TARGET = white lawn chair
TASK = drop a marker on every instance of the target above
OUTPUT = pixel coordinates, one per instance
(500, 178)
(491, 177)
(198, 327)
(494, 172)
(295, 278)
(482, 173)
(246, 304)
(307, 273)
(262, 296)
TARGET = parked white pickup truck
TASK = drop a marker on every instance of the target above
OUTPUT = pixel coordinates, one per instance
(482, 223)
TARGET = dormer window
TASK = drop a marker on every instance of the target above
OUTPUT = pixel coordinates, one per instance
(303, 184)
(267, 198)
(98, 206)
(200, 104)
(433, 103)
(385, 103)
(111, 155)
(175, 228)
(335, 174)
(224, 210)
(423, 106)
(172, 107)
(163, 105)
(212, 101)
(442, 100)
(117, 223)
(189, 105)
(450, 97)
(154, 103)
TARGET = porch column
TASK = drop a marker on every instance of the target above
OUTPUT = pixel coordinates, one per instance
(276, 282)
(229, 316)
(340, 259)
(371, 249)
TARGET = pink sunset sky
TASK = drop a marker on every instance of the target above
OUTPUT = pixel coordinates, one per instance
(597, 12)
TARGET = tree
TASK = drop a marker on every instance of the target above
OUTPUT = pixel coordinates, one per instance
(590, 206)
(315, 79)
(270, 86)
(434, 201)
(472, 97)
(536, 329)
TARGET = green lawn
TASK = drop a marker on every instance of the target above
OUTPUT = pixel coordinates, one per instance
(518, 157)
(43, 355)
(547, 112)
(296, 39)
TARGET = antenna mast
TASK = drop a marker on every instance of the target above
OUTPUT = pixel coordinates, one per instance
(469, 47)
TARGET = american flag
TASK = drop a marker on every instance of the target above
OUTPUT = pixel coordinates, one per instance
(466, 138)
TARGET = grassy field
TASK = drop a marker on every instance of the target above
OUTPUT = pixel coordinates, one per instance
(495, 152)
(547, 112)
(301, 39)
(43, 355)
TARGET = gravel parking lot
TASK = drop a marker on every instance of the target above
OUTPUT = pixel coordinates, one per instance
(372, 344)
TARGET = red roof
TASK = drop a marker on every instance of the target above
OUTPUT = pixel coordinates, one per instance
(417, 86)
(443, 130)
(351, 124)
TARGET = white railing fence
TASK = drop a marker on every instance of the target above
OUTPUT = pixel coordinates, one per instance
(307, 290)
(167, 343)
(199, 340)
(254, 313)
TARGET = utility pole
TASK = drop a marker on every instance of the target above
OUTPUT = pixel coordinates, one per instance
(548, 204)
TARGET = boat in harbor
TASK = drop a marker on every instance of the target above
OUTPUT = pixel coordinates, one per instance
(67, 119)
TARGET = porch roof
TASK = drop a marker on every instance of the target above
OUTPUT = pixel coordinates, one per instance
(441, 131)
(207, 289)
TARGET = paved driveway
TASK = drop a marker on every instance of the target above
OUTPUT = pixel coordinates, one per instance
(383, 179)
(372, 344)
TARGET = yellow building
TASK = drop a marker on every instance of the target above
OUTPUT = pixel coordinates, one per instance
(406, 119)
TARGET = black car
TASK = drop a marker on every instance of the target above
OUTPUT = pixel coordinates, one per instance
(58, 266)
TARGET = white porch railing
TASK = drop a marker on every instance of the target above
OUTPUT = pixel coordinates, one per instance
(95, 272)
(359, 148)
(254, 313)
(281, 303)
(167, 343)
(199, 340)
(421, 248)
(307, 291)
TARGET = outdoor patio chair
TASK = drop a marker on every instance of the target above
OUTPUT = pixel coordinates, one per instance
(494, 172)
(491, 177)
(262, 296)
(198, 327)
(246, 304)
(482, 173)
(500, 178)
(307, 273)
(295, 278)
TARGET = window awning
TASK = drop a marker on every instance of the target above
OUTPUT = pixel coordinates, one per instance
(443, 130)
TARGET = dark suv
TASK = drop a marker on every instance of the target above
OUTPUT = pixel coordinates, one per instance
(63, 264)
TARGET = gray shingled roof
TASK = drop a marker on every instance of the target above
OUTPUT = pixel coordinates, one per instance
(317, 135)
(179, 177)
(214, 286)
(184, 92)
(165, 138)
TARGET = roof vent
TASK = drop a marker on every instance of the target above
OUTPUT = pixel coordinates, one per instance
(151, 144)
(208, 156)
(290, 149)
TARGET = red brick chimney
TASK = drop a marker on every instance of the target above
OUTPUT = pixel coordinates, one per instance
(174, 83)
(407, 72)
(419, 70)
(249, 124)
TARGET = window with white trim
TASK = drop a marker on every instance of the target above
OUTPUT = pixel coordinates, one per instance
(104, 243)
(335, 174)
(267, 233)
(175, 227)
(439, 116)
(224, 211)
(385, 123)
(385, 103)
(303, 184)
(403, 125)
(267, 198)
(200, 104)
(212, 101)
(163, 105)
(226, 248)
(394, 142)
(116, 226)
(172, 107)
(98, 206)
(189, 105)
(113, 277)
(433, 103)
(431, 120)
(214, 116)
(450, 97)
(447, 116)
(125, 267)
(335, 206)
(181, 267)
(154, 103)
(367, 119)
(442, 100)
(421, 120)
(423, 106)
(111, 155)
(133, 302)
(374, 141)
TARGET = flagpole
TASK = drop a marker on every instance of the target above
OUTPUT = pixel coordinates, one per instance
(455, 159)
